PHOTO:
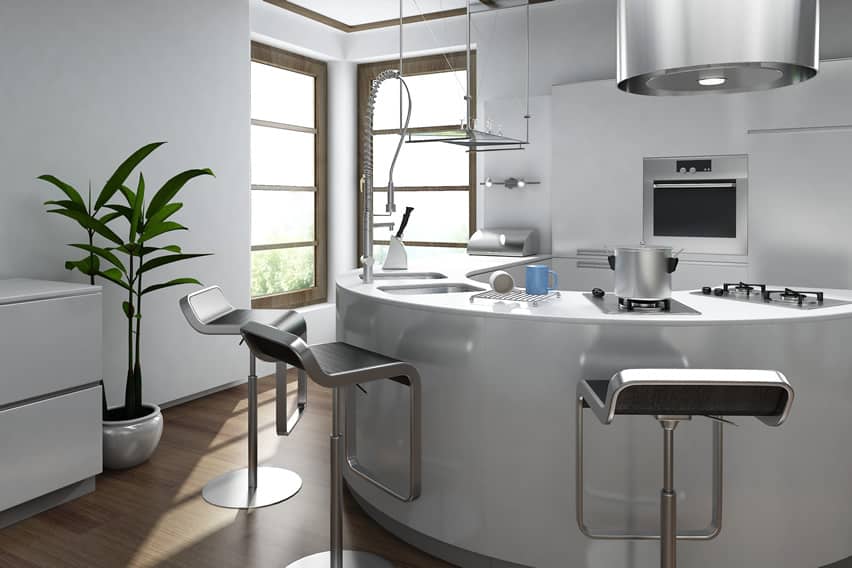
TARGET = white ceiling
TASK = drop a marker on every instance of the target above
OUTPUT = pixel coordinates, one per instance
(354, 12)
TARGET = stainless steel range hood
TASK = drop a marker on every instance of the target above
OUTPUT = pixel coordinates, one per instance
(687, 47)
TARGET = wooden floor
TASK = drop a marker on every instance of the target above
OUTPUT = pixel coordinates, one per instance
(154, 515)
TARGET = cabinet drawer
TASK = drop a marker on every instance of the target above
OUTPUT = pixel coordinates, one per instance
(49, 346)
(49, 444)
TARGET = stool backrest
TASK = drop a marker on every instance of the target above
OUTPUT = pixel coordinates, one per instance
(764, 394)
(203, 306)
(272, 344)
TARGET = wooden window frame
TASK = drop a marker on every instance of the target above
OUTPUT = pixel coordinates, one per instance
(424, 65)
(268, 55)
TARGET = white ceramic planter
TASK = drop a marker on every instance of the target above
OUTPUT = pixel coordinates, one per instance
(128, 443)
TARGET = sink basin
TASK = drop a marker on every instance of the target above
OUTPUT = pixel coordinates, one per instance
(407, 276)
(430, 289)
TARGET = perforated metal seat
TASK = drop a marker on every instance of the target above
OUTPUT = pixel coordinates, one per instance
(672, 396)
(209, 312)
(339, 365)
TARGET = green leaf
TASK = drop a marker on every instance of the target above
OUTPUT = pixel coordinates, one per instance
(72, 193)
(170, 283)
(131, 248)
(123, 210)
(120, 175)
(114, 276)
(171, 248)
(67, 204)
(172, 187)
(164, 213)
(152, 231)
(128, 194)
(110, 216)
(103, 253)
(137, 208)
(128, 308)
(166, 259)
(88, 265)
(89, 222)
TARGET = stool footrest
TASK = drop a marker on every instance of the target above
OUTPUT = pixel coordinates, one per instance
(351, 444)
(713, 529)
(285, 419)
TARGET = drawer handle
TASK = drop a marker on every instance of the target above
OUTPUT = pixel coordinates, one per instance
(593, 264)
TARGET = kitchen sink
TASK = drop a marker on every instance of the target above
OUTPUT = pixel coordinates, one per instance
(430, 289)
(407, 276)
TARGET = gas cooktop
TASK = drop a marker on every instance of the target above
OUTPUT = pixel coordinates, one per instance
(762, 294)
(610, 304)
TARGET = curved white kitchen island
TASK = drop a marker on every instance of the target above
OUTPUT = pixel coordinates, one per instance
(499, 385)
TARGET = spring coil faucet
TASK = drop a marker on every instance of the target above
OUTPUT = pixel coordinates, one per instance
(367, 178)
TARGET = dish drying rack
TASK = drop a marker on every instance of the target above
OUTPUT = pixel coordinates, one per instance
(516, 295)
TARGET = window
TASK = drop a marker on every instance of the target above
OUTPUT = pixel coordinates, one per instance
(435, 178)
(288, 179)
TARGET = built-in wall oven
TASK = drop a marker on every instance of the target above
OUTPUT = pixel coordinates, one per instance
(699, 204)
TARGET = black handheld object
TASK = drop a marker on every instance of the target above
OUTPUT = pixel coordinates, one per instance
(404, 222)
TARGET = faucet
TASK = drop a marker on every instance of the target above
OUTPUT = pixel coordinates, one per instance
(367, 178)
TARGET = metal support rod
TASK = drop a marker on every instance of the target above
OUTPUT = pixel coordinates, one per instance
(469, 88)
(252, 423)
(336, 517)
(668, 500)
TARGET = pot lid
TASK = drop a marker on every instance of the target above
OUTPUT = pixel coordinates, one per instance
(642, 248)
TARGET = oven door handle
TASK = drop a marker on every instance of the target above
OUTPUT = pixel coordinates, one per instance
(693, 185)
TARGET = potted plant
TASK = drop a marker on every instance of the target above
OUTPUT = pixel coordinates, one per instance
(132, 431)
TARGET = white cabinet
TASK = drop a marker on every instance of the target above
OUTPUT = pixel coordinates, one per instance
(50, 399)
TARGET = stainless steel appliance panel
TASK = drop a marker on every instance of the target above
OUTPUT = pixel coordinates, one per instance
(699, 204)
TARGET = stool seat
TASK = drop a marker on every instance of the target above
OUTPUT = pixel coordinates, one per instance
(210, 313)
(331, 365)
(763, 394)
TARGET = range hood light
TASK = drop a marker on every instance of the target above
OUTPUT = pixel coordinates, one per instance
(712, 81)
(689, 47)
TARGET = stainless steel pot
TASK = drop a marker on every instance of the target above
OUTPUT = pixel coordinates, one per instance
(643, 272)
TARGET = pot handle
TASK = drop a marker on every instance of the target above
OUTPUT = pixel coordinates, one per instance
(611, 260)
(672, 264)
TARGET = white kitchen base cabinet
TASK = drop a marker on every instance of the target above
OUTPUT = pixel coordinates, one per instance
(50, 396)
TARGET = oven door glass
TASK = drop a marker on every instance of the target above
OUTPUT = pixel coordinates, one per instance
(695, 209)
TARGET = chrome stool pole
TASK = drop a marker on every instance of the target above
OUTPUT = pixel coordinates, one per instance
(209, 313)
(673, 396)
(338, 366)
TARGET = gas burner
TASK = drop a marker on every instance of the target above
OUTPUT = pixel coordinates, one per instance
(782, 298)
(742, 289)
(790, 296)
(644, 305)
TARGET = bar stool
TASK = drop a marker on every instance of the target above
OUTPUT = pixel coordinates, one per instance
(209, 313)
(336, 366)
(673, 396)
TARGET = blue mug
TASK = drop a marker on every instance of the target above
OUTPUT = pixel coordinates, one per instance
(538, 279)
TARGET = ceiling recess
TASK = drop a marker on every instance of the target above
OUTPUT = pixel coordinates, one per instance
(688, 47)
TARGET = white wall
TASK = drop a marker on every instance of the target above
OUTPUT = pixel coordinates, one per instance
(84, 83)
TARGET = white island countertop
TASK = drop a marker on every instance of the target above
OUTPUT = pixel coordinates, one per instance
(572, 306)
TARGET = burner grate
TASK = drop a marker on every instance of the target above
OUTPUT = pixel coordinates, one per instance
(515, 296)
(791, 296)
(630, 305)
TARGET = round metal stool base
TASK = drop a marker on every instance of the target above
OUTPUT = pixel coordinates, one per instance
(231, 490)
(351, 559)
